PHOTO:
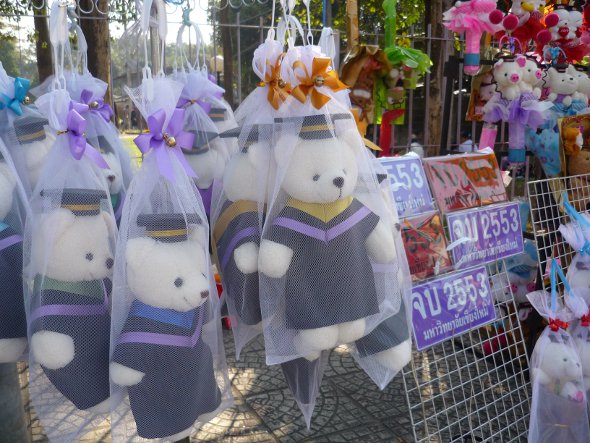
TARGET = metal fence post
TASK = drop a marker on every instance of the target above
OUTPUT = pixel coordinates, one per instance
(13, 425)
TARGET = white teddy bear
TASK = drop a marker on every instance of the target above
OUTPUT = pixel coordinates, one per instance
(13, 327)
(580, 73)
(324, 240)
(533, 77)
(161, 356)
(562, 85)
(508, 74)
(70, 318)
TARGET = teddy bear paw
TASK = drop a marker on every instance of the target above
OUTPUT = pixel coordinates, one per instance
(246, 258)
(567, 101)
(52, 350)
(397, 357)
(11, 349)
(124, 376)
(274, 259)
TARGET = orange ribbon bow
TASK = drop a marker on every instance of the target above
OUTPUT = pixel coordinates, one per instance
(320, 76)
(278, 89)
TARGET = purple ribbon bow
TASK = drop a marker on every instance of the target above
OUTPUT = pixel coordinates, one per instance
(98, 105)
(173, 139)
(185, 103)
(76, 125)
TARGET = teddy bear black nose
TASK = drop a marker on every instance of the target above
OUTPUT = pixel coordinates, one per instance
(110, 262)
(338, 182)
(204, 294)
(111, 178)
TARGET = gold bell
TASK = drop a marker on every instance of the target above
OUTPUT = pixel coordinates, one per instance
(319, 80)
(27, 100)
(93, 105)
(170, 141)
(282, 83)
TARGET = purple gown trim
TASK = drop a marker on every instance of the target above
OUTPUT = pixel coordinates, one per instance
(10, 240)
(246, 232)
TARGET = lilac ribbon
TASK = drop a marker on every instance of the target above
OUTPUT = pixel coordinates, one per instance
(161, 142)
(76, 125)
(98, 105)
(185, 103)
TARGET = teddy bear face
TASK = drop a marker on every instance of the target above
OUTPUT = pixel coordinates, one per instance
(168, 275)
(561, 82)
(561, 362)
(243, 172)
(320, 171)
(209, 165)
(7, 185)
(113, 174)
(507, 73)
(566, 25)
(582, 79)
(35, 154)
(533, 75)
(74, 248)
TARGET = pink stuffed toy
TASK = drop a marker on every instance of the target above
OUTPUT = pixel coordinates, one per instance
(566, 26)
(472, 18)
(524, 23)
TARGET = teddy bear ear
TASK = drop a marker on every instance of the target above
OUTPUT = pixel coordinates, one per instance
(351, 137)
(197, 233)
(139, 247)
(111, 224)
(56, 223)
(258, 155)
(283, 148)
(7, 174)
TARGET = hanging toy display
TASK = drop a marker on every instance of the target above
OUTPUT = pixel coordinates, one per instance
(24, 130)
(558, 409)
(168, 371)
(68, 264)
(565, 24)
(472, 18)
(13, 324)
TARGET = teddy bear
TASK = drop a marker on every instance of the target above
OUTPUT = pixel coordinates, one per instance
(579, 163)
(580, 72)
(69, 321)
(35, 143)
(113, 175)
(13, 327)
(533, 77)
(207, 158)
(508, 73)
(562, 85)
(565, 25)
(323, 242)
(161, 356)
(522, 272)
(236, 232)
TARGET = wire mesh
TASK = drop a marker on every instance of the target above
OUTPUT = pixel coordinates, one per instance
(455, 392)
(545, 197)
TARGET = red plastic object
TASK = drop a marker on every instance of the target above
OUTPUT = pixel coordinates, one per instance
(225, 321)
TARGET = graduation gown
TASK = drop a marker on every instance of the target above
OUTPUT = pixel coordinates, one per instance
(206, 195)
(179, 383)
(389, 333)
(237, 225)
(80, 310)
(13, 322)
(117, 202)
(330, 279)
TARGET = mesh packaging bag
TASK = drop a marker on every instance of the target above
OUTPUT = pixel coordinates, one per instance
(168, 367)
(328, 263)
(24, 130)
(236, 219)
(13, 201)
(68, 263)
(577, 233)
(558, 409)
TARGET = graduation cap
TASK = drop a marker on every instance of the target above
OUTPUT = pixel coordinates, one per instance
(30, 129)
(217, 114)
(201, 142)
(561, 67)
(315, 127)
(253, 136)
(582, 68)
(169, 228)
(79, 201)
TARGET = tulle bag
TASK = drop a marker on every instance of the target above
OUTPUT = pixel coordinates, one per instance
(13, 208)
(558, 409)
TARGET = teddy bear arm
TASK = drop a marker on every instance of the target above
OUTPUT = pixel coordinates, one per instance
(246, 257)
(541, 376)
(567, 101)
(274, 259)
(52, 350)
(397, 357)
(125, 376)
(552, 97)
(570, 390)
(380, 245)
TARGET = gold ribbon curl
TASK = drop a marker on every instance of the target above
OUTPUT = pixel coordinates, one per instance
(320, 76)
